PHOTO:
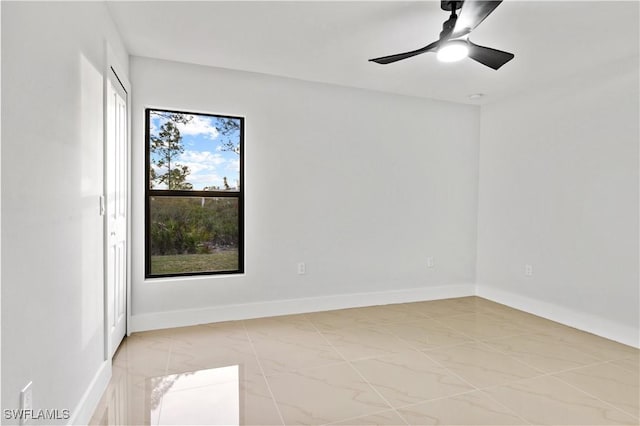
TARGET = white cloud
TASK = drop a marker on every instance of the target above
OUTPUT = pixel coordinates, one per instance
(205, 167)
(199, 125)
(234, 165)
(202, 157)
(200, 161)
(201, 180)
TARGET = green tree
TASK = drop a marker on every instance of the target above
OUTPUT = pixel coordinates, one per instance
(229, 129)
(152, 177)
(165, 149)
(176, 117)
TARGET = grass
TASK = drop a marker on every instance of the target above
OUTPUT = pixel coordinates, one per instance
(226, 260)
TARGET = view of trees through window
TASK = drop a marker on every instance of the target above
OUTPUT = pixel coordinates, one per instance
(194, 193)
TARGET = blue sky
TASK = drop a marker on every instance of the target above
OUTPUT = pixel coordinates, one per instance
(203, 153)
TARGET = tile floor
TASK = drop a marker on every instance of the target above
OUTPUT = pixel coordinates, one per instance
(465, 361)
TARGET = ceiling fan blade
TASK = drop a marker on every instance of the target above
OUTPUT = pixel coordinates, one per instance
(487, 56)
(472, 14)
(400, 56)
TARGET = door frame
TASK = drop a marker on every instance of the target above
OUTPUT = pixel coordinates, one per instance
(115, 69)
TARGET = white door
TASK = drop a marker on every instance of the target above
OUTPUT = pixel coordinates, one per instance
(116, 210)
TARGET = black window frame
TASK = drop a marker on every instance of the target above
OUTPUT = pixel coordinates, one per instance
(149, 193)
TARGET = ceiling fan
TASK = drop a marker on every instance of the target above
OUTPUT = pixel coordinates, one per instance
(454, 43)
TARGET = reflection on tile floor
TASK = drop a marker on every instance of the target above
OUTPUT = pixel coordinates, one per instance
(465, 361)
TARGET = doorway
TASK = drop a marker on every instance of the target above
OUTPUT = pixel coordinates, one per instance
(116, 212)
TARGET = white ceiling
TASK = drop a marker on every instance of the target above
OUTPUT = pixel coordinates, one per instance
(331, 41)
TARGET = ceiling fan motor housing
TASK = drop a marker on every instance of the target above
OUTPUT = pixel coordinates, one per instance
(448, 5)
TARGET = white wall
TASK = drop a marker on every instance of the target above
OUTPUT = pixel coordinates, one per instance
(53, 58)
(360, 185)
(559, 190)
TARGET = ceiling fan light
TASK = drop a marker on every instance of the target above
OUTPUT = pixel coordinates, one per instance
(453, 51)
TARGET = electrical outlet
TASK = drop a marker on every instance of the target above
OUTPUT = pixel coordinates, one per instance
(302, 268)
(26, 402)
(528, 270)
(430, 262)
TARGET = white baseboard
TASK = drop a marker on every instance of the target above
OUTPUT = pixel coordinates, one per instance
(81, 415)
(582, 321)
(590, 323)
(168, 319)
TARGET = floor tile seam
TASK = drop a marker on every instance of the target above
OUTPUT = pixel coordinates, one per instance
(489, 338)
(474, 388)
(434, 320)
(472, 340)
(623, 410)
(374, 327)
(579, 336)
(491, 397)
(549, 374)
(490, 386)
(400, 340)
(410, 347)
(388, 323)
(416, 348)
(503, 311)
(502, 316)
(596, 360)
(335, 348)
(624, 358)
(376, 356)
(366, 415)
(340, 328)
(308, 342)
(363, 378)
(456, 315)
(331, 345)
(439, 319)
(503, 306)
(498, 339)
(526, 364)
(207, 331)
(486, 390)
(391, 406)
(182, 346)
(366, 315)
(439, 398)
(423, 349)
(168, 361)
(461, 331)
(303, 370)
(555, 337)
(447, 369)
(613, 361)
(471, 391)
(264, 377)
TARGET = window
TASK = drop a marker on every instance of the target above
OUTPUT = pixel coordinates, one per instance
(194, 194)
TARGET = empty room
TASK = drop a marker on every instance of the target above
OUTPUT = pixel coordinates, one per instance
(320, 212)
